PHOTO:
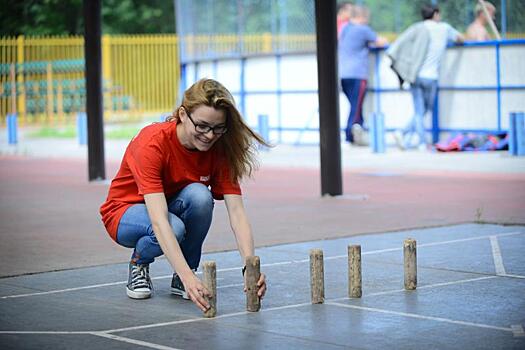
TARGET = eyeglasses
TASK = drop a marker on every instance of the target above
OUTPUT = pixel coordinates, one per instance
(204, 129)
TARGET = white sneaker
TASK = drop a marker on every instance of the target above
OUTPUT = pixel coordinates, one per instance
(139, 283)
(399, 138)
(359, 135)
(422, 147)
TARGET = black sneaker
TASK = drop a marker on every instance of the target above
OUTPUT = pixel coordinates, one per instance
(139, 283)
(177, 287)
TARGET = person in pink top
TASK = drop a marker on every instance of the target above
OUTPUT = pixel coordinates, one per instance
(344, 12)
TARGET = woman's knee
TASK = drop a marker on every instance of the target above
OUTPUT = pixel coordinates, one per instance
(199, 197)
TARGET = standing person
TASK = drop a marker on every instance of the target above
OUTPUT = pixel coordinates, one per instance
(477, 31)
(416, 57)
(354, 44)
(344, 11)
(161, 200)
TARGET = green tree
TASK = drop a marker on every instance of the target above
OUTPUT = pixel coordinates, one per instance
(65, 17)
(41, 17)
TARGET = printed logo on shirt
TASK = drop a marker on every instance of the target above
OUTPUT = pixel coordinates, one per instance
(205, 178)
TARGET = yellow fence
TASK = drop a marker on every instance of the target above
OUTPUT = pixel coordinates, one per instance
(42, 79)
(204, 46)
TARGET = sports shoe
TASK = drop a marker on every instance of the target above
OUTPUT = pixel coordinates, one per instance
(139, 283)
(399, 138)
(177, 287)
(359, 135)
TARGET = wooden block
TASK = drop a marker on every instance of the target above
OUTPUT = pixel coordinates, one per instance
(209, 272)
(354, 271)
(316, 276)
(252, 275)
(410, 263)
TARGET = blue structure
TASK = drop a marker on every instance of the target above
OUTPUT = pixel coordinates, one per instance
(281, 89)
(12, 128)
(377, 132)
(264, 129)
(82, 128)
(517, 134)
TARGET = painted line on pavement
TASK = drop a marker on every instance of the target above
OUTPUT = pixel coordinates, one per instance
(421, 317)
(133, 341)
(275, 264)
(434, 285)
(496, 255)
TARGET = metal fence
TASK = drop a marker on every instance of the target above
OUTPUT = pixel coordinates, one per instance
(42, 78)
(202, 25)
(201, 22)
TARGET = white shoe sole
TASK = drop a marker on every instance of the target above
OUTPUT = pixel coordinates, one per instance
(398, 138)
(134, 294)
(180, 293)
(359, 135)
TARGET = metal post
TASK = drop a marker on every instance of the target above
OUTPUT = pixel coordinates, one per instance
(82, 128)
(329, 133)
(242, 93)
(503, 10)
(264, 129)
(94, 107)
(498, 82)
(279, 97)
(12, 128)
(435, 118)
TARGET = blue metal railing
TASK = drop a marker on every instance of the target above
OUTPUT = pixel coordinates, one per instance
(376, 89)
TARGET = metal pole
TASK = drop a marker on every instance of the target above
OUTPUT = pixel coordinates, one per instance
(329, 133)
(503, 9)
(180, 30)
(94, 108)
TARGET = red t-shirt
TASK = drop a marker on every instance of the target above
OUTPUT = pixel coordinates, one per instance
(155, 161)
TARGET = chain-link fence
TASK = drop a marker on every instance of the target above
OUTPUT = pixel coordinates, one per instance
(206, 17)
(218, 28)
(206, 27)
(393, 16)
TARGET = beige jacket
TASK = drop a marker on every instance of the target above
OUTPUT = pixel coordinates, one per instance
(408, 52)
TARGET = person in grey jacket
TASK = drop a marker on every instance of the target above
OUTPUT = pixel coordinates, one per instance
(416, 58)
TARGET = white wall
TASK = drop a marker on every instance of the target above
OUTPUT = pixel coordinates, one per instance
(295, 76)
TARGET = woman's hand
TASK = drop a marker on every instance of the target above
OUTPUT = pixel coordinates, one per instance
(261, 284)
(197, 291)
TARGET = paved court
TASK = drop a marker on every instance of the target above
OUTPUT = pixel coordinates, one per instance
(471, 283)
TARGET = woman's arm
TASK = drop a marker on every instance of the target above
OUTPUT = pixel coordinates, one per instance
(158, 213)
(243, 232)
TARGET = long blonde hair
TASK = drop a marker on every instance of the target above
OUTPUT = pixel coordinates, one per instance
(238, 144)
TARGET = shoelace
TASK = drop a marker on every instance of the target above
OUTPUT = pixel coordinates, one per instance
(140, 277)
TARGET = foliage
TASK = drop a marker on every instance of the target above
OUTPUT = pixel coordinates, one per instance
(397, 15)
(65, 17)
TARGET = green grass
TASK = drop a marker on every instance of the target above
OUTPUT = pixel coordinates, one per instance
(122, 133)
(49, 132)
(70, 132)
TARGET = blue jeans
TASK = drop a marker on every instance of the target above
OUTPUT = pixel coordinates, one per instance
(189, 214)
(355, 91)
(423, 96)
